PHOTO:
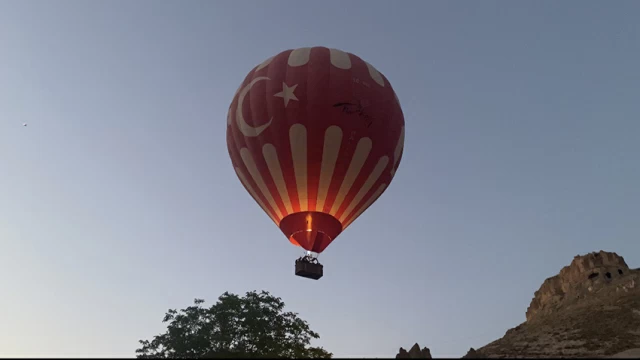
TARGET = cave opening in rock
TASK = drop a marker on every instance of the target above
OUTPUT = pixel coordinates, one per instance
(620, 272)
(593, 275)
(608, 275)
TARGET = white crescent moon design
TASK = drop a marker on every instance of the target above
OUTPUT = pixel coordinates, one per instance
(246, 129)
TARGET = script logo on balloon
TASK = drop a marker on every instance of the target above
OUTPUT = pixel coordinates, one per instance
(357, 108)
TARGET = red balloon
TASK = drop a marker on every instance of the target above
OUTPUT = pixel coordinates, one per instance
(315, 135)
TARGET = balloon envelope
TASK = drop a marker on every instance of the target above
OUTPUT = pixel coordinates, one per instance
(315, 135)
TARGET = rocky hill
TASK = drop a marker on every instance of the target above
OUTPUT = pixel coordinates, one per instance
(590, 309)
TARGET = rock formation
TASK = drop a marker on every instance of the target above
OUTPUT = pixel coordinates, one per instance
(590, 309)
(588, 273)
(414, 353)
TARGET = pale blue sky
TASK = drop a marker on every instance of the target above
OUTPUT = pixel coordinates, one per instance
(119, 201)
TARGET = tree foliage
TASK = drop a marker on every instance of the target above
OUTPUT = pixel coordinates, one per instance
(253, 326)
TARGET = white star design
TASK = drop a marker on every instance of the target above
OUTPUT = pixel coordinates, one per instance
(287, 93)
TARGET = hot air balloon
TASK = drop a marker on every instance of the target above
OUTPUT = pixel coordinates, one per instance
(315, 136)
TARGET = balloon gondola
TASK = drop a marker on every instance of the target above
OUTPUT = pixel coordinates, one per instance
(315, 136)
(309, 267)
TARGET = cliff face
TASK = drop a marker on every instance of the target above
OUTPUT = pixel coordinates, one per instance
(586, 274)
(590, 309)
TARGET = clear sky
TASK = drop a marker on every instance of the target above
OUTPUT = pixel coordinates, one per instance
(118, 200)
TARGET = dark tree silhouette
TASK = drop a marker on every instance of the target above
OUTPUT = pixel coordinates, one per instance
(253, 326)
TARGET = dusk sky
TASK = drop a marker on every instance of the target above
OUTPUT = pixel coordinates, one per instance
(118, 201)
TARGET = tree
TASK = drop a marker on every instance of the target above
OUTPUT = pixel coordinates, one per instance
(253, 326)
